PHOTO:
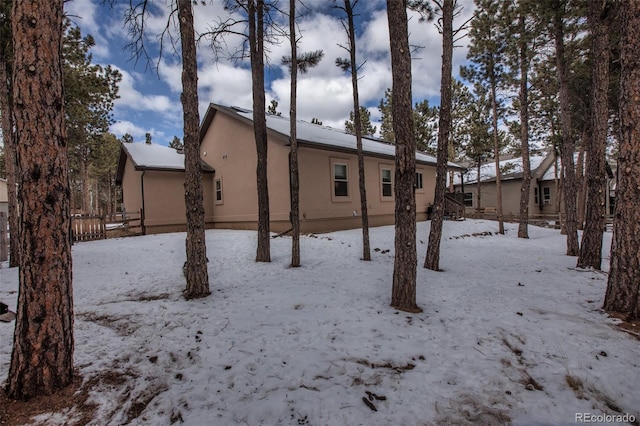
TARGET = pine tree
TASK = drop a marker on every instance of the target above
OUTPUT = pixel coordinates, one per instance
(147, 138)
(386, 119)
(623, 285)
(360, 122)
(600, 15)
(127, 138)
(432, 260)
(403, 296)
(368, 129)
(42, 357)
(273, 108)
(176, 143)
(195, 272)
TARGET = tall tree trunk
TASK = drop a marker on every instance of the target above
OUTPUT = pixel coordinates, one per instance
(256, 45)
(403, 296)
(568, 168)
(479, 186)
(596, 174)
(366, 249)
(623, 286)
(496, 150)
(196, 272)
(42, 357)
(523, 231)
(293, 141)
(9, 150)
(84, 177)
(432, 260)
(581, 182)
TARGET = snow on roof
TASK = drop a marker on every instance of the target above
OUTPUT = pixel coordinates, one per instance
(511, 169)
(154, 156)
(330, 137)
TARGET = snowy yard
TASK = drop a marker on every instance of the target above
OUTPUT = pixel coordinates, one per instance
(511, 333)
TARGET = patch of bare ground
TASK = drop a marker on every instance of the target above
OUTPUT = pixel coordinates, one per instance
(71, 400)
(631, 327)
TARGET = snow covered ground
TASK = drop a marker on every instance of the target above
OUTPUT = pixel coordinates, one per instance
(511, 333)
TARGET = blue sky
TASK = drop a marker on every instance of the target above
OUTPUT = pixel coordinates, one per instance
(150, 97)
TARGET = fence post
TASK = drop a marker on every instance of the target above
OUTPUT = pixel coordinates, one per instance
(4, 252)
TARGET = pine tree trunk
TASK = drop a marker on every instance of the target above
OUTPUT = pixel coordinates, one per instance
(479, 187)
(581, 182)
(9, 153)
(293, 141)
(196, 272)
(432, 260)
(403, 296)
(623, 287)
(84, 177)
(523, 231)
(256, 44)
(42, 357)
(596, 175)
(568, 168)
(366, 248)
(496, 150)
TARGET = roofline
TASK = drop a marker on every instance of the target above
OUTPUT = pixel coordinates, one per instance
(231, 111)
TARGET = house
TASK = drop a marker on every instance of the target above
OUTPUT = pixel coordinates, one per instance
(4, 196)
(152, 181)
(545, 197)
(328, 170)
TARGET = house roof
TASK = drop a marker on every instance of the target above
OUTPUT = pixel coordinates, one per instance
(316, 136)
(511, 167)
(145, 156)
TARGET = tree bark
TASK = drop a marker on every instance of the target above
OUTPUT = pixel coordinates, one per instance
(357, 121)
(496, 149)
(293, 141)
(9, 150)
(523, 231)
(567, 148)
(256, 44)
(581, 183)
(596, 174)
(42, 357)
(403, 295)
(432, 260)
(623, 286)
(196, 272)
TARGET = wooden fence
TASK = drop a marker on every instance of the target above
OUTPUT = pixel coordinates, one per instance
(92, 227)
(88, 228)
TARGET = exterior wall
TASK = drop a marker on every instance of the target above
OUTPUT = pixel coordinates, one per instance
(131, 188)
(229, 148)
(164, 208)
(511, 197)
(4, 196)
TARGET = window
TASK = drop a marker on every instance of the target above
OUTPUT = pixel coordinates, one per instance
(340, 180)
(546, 195)
(468, 199)
(535, 196)
(419, 184)
(218, 191)
(387, 186)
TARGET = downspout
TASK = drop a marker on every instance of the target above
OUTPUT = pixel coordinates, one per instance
(144, 228)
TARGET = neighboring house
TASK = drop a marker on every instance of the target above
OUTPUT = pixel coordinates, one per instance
(545, 189)
(152, 181)
(328, 168)
(4, 196)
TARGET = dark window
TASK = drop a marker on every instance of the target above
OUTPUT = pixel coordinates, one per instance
(535, 196)
(387, 187)
(468, 199)
(419, 184)
(218, 190)
(340, 182)
(546, 195)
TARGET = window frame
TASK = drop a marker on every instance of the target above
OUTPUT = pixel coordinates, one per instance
(468, 199)
(419, 185)
(546, 195)
(383, 184)
(217, 189)
(334, 197)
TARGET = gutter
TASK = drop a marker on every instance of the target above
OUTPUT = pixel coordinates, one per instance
(144, 229)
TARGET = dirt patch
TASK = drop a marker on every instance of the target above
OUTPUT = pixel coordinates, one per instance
(72, 399)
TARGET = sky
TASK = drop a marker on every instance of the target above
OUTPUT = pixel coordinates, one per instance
(150, 89)
(504, 325)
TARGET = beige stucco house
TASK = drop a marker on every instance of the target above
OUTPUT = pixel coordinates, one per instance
(328, 167)
(545, 189)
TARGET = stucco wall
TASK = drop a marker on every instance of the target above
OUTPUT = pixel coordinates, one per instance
(229, 148)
